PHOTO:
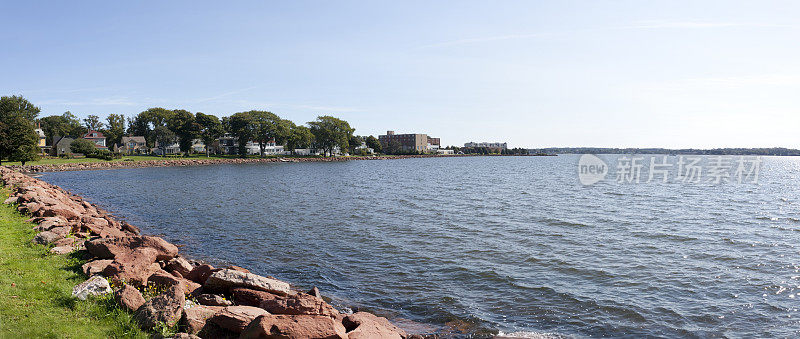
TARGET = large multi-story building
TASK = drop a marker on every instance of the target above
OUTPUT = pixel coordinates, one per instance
(496, 145)
(409, 142)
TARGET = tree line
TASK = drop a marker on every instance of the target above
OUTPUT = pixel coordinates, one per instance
(164, 127)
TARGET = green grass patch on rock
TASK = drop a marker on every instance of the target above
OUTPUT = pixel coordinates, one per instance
(36, 287)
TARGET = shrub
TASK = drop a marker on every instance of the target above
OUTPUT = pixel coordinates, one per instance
(82, 146)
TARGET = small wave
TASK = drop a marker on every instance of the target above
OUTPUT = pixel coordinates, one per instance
(531, 335)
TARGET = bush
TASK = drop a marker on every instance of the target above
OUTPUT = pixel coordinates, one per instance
(104, 154)
(82, 146)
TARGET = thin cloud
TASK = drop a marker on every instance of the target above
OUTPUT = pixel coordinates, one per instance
(226, 94)
(652, 24)
(113, 101)
(729, 82)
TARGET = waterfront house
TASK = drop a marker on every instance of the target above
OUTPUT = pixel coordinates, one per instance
(61, 146)
(174, 148)
(98, 138)
(42, 143)
(228, 144)
(133, 145)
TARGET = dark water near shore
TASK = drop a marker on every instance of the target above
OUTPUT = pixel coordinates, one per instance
(486, 244)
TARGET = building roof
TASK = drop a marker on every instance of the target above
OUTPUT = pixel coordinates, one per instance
(137, 139)
(89, 135)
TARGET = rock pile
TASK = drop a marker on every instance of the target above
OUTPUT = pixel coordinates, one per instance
(202, 300)
(196, 162)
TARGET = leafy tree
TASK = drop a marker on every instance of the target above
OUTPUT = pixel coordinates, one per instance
(116, 128)
(299, 137)
(16, 125)
(93, 123)
(183, 124)
(210, 129)
(25, 153)
(330, 132)
(83, 146)
(144, 123)
(354, 142)
(240, 125)
(61, 125)
(17, 105)
(164, 137)
(267, 127)
(374, 143)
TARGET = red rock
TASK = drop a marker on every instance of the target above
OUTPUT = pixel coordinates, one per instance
(129, 297)
(133, 267)
(294, 327)
(199, 274)
(164, 278)
(95, 266)
(299, 303)
(226, 279)
(46, 237)
(109, 248)
(250, 297)
(195, 317)
(237, 268)
(166, 308)
(180, 265)
(64, 242)
(214, 300)
(236, 318)
(61, 211)
(367, 325)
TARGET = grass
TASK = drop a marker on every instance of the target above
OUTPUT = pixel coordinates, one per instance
(36, 287)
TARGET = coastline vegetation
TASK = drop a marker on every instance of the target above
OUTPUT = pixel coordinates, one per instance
(35, 290)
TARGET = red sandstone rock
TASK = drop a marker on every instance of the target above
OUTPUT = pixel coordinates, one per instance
(214, 300)
(164, 278)
(129, 297)
(226, 279)
(166, 308)
(95, 266)
(200, 273)
(111, 247)
(236, 318)
(294, 327)
(180, 265)
(133, 267)
(363, 325)
(250, 297)
(195, 317)
(299, 303)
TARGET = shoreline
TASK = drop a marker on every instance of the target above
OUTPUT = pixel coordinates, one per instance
(199, 298)
(167, 162)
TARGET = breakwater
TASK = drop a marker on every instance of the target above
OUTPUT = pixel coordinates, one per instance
(201, 299)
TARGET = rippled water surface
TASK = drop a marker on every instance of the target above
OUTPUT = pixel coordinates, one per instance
(486, 244)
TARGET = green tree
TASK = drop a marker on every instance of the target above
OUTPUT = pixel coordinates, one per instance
(93, 123)
(25, 153)
(299, 137)
(354, 142)
(183, 124)
(266, 126)
(83, 146)
(240, 126)
(210, 129)
(61, 125)
(115, 130)
(374, 143)
(330, 132)
(164, 137)
(16, 125)
(394, 147)
(144, 123)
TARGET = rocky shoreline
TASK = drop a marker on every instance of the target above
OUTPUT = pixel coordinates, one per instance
(78, 166)
(149, 277)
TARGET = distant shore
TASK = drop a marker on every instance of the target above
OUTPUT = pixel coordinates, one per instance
(169, 162)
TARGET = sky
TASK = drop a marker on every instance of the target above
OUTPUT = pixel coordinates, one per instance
(675, 74)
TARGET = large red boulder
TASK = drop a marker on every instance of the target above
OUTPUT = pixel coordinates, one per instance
(195, 317)
(363, 325)
(133, 267)
(236, 318)
(166, 308)
(226, 279)
(108, 248)
(200, 274)
(129, 297)
(250, 297)
(299, 303)
(294, 327)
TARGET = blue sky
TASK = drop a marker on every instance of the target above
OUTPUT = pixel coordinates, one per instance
(532, 73)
